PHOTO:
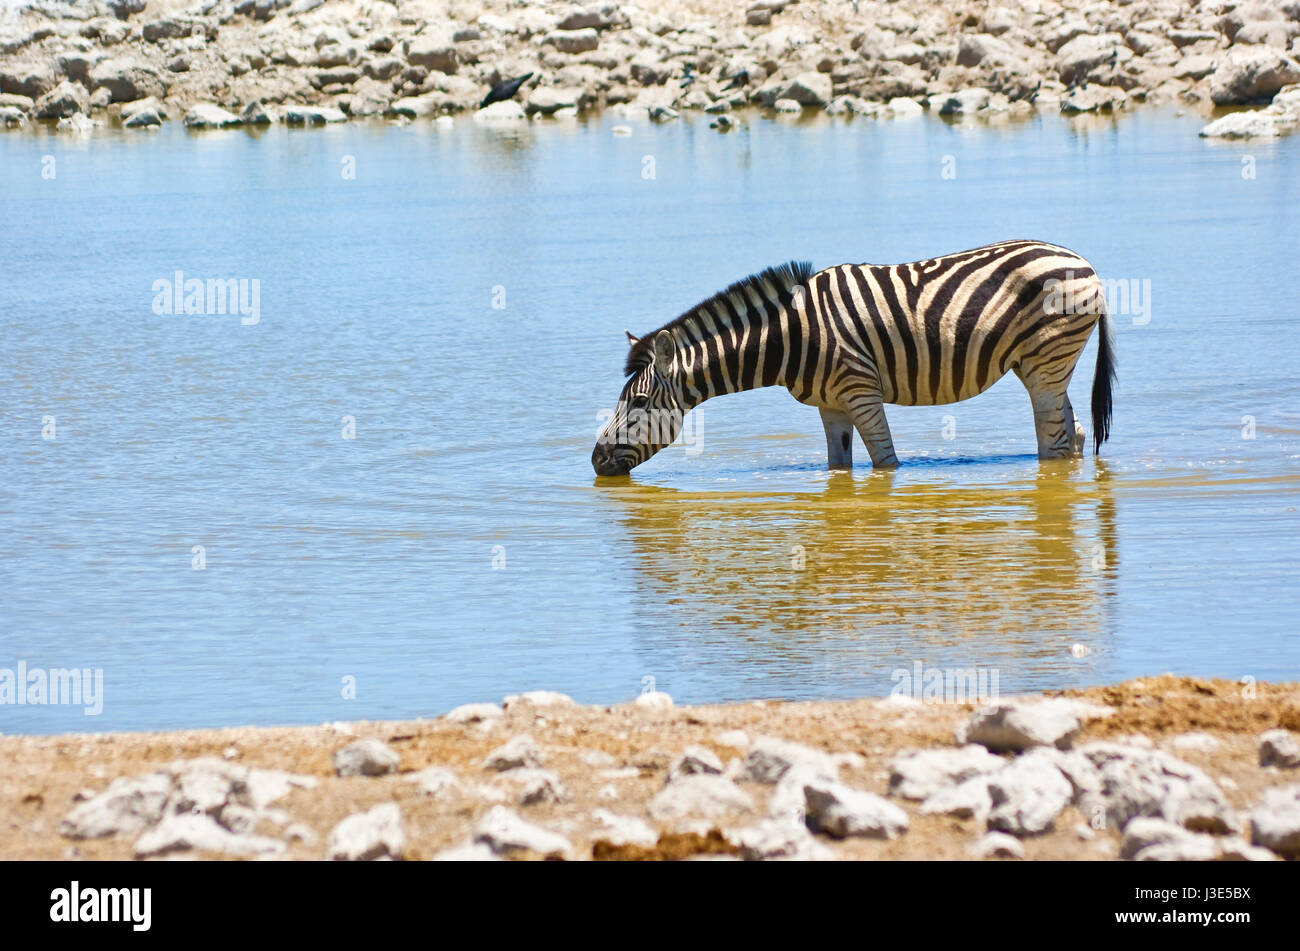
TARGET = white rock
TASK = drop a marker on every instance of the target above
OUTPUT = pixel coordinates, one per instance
(467, 852)
(1251, 74)
(538, 698)
(186, 831)
(1279, 748)
(1093, 98)
(1275, 822)
(705, 796)
(209, 116)
(143, 119)
(127, 805)
(1157, 840)
(1027, 795)
(1233, 848)
(900, 108)
(311, 115)
(841, 811)
(77, 125)
(1195, 848)
(506, 111)
(1077, 768)
(1255, 124)
(540, 786)
(504, 832)
(435, 781)
(737, 739)
(366, 836)
(774, 839)
(298, 832)
(968, 799)
(1143, 832)
(624, 830)
(1139, 782)
(473, 713)
(1077, 59)
(1018, 726)
(368, 757)
(788, 801)
(998, 845)
(769, 759)
(573, 41)
(920, 774)
(849, 760)
(695, 759)
(963, 102)
(255, 114)
(206, 785)
(265, 786)
(808, 89)
(520, 752)
(788, 106)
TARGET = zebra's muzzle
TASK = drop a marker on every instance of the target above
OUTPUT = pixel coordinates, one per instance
(610, 462)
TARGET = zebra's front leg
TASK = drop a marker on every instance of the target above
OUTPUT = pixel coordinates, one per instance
(868, 416)
(839, 438)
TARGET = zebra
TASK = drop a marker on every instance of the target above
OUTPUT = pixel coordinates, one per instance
(851, 338)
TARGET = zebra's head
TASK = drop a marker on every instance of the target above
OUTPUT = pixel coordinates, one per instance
(650, 409)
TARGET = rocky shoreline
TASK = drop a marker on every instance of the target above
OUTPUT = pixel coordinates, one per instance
(1165, 768)
(83, 63)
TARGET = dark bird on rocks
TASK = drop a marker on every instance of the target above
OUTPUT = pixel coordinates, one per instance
(688, 77)
(740, 79)
(506, 90)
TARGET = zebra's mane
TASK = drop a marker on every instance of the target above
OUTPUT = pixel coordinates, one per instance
(786, 277)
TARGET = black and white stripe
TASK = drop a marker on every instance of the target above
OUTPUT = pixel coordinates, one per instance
(854, 337)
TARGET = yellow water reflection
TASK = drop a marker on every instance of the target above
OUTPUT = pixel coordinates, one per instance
(920, 560)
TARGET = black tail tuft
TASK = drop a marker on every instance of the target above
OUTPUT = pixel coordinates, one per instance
(1103, 379)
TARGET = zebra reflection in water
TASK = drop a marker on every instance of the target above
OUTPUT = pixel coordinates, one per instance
(872, 573)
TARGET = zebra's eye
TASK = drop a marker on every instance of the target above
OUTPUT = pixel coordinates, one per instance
(640, 402)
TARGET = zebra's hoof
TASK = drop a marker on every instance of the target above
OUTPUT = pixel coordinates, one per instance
(1080, 440)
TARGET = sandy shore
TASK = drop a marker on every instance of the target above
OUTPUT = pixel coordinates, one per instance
(1170, 765)
(230, 62)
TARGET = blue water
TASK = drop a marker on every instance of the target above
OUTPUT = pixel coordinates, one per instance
(459, 548)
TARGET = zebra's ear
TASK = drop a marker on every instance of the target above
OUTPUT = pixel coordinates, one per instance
(665, 350)
(631, 341)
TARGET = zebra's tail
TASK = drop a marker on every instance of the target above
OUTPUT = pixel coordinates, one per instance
(1103, 378)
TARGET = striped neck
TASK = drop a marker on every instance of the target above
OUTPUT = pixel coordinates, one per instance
(741, 342)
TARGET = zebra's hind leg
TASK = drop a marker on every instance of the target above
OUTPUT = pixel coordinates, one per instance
(1080, 440)
(1059, 433)
(868, 417)
(839, 438)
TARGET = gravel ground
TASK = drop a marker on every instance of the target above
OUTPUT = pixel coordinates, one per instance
(227, 62)
(1166, 767)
